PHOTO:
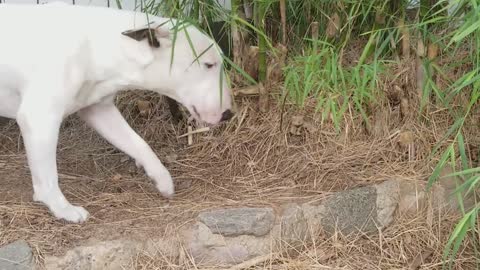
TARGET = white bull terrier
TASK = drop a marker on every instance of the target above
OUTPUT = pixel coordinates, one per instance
(59, 59)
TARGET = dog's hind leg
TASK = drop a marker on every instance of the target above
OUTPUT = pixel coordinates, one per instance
(39, 123)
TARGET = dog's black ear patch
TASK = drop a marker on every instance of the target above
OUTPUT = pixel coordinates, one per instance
(144, 33)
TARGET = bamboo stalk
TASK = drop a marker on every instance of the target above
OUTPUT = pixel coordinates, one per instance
(315, 35)
(283, 18)
(315, 31)
(405, 38)
(262, 43)
(237, 45)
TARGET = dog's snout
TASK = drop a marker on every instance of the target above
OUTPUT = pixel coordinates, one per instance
(227, 115)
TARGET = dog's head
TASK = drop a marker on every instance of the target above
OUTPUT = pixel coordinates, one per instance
(188, 67)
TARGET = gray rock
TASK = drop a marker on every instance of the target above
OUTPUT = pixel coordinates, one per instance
(351, 211)
(239, 221)
(446, 197)
(104, 255)
(388, 197)
(209, 249)
(313, 213)
(16, 256)
(413, 197)
(294, 225)
(245, 233)
(365, 209)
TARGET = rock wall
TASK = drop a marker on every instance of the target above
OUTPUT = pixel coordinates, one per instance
(230, 236)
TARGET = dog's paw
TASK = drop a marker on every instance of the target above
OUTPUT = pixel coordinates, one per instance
(166, 188)
(61, 208)
(75, 214)
(163, 181)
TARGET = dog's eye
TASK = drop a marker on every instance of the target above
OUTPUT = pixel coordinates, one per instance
(209, 65)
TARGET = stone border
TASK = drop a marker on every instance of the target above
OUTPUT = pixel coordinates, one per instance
(230, 236)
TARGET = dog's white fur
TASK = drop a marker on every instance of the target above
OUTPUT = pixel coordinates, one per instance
(58, 59)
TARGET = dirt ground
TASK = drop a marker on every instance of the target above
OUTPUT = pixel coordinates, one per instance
(247, 162)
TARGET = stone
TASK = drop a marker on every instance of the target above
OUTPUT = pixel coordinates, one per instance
(294, 225)
(365, 209)
(16, 256)
(211, 249)
(226, 237)
(105, 255)
(388, 196)
(446, 196)
(351, 211)
(239, 221)
(313, 213)
(412, 197)
(415, 197)
(167, 246)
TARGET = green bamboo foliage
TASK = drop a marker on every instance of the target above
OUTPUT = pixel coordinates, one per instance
(316, 72)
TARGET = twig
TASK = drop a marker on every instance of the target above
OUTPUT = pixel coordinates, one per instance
(252, 262)
(191, 132)
(246, 264)
(189, 135)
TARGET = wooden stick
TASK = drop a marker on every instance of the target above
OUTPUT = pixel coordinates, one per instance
(191, 132)
(247, 91)
(189, 135)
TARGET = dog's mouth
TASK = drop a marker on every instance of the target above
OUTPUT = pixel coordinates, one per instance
(203, 120)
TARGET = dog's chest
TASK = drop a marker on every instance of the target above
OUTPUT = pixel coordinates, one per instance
(92, 93)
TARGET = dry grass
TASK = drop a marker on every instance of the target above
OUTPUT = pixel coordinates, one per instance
(249, 162)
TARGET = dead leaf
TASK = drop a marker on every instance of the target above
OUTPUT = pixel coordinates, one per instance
(420, 48)
(321, 256)
(144, 107)
(380, 18)
(276, 65)
(432, 51)
(406, 139)
(117, 177)
(295, 130)
(310, 127)
(405, 38)
(333, 26)
(405, 109)
(297, 120)
(171, 158)
(298, 123)
(251, 62)
(420, 259)
(184, 184)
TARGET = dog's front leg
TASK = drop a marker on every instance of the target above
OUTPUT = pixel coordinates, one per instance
(40, 127)
(110, 124)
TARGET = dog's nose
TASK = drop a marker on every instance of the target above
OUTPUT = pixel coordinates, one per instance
(227, 115)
